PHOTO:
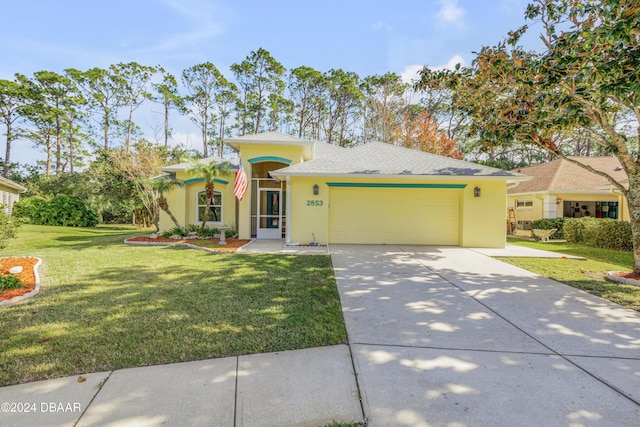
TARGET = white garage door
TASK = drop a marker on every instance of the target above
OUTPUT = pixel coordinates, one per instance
(394, 215)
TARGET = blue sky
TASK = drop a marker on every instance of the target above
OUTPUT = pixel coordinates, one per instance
(367, 37)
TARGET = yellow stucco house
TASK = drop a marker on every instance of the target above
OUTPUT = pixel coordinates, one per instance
(309, 191)
(10, 192)
(562, 189)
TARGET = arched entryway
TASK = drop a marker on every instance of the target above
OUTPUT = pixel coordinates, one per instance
(268, 207)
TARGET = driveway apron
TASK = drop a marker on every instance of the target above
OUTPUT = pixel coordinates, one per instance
(447, 336)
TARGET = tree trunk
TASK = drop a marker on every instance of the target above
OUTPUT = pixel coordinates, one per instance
(633, 202)
(166, 125)
(106, 131)
(129, 126)
(205, 134)
(48, 166)
(58, 144)
(71, 147)
(7, 155)
(162, 203)
(173, 218)
(209, 188)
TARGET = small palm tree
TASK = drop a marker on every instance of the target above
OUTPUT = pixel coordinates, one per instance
(208, 172)
(162, 185)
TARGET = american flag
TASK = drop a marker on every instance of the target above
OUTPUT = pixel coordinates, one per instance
(240, 187)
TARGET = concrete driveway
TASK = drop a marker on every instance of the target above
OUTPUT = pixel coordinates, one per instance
(450, 337)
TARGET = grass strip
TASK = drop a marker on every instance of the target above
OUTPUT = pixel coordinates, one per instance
(587, 275)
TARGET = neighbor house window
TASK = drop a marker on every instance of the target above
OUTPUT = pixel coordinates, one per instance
(524, 204)
(7, 202)
(215, 209)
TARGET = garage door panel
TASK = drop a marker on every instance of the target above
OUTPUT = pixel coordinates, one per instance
(409, 216)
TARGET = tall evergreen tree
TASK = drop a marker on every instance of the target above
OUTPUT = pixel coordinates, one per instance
(12, 98)
(261, 82)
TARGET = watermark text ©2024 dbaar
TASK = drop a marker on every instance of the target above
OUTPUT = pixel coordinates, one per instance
(42, 407)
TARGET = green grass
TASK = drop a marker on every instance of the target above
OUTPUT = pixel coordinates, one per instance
(587, 275)
(105, 305)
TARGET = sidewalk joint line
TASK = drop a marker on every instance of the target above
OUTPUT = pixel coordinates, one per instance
(100, 386)
(355, 376)
(564, 357)
(235, 400)
(427, 347)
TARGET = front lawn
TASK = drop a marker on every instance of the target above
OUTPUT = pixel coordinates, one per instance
(586, 275)
(104, 305)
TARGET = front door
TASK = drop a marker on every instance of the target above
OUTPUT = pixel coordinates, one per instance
(269, 213)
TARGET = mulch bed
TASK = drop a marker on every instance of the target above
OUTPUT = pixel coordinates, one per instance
(27, 276)
(209, 244)
(625, 275)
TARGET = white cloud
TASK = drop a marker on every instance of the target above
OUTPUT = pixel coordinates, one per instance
(450, 13)
(204, 24)
(383, 26)
(410, 73)
(451, 64)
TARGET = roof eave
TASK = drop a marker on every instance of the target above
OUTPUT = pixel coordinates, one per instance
(12, 184)
(551, 192)
(281, 176)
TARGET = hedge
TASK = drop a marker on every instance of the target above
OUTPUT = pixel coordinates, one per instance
(599, 233)
(63, 210)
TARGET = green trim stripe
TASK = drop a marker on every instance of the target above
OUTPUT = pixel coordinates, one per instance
(388, 185)
(216, 180)
(270, 159)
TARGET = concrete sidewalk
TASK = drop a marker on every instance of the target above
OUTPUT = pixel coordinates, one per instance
(448, 336)
(310, 387)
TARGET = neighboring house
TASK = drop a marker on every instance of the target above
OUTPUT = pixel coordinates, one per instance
(562, 189)
(310, 191)
(10, 193)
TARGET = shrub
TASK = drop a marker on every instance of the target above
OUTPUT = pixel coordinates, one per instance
(10, 281)
(550, 223)
(8, 228)
(231, 232)
(208, 232)
(193, 228)
(70, 211)
(175, 230)
(599, 233)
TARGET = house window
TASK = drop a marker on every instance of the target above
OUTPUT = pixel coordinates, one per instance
(215, 209)
(524, 204)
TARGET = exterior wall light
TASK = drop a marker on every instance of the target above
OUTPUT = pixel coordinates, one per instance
(316, 189)
(476, 192)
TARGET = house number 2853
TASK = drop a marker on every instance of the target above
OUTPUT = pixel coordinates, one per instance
(314, 202)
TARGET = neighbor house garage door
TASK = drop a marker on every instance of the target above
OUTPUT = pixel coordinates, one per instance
(394, 215)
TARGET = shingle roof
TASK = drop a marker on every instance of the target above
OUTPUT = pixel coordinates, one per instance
(268, 138)
(182, 167)
(378, 158)
(560, 175)
(324, 149)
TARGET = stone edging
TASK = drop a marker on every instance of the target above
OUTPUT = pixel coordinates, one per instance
(611, 276)
(29, 294)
